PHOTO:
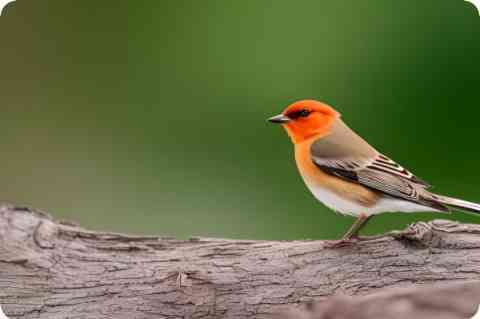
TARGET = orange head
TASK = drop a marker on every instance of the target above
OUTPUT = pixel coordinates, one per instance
(305, 119)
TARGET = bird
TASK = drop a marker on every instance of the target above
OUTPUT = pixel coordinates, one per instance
(350, 176)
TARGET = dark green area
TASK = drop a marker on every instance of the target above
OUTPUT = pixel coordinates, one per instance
(149, 116)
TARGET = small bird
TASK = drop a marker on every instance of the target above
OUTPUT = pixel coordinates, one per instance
(348, 175)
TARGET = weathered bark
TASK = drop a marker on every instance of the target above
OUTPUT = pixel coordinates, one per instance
(53, 270)
(452, 301)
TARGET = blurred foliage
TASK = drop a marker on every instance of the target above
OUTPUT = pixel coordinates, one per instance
(149, 116)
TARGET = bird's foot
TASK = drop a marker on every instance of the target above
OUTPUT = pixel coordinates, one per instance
(345, 242)
(401, 234)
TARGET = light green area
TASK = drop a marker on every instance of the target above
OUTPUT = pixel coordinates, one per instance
(149, 116)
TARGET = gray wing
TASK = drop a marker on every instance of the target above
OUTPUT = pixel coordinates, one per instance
(395, 183)
(358, 162)
(377, 167)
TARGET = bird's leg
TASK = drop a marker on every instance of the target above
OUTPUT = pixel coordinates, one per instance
(351, 235)
(357, 225)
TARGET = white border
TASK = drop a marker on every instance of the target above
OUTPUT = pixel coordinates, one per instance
(2, 315)
(476, 3)
(477, 315)
(3, 4)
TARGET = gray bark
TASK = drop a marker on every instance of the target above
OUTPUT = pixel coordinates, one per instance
(452, 301)
(55, 270)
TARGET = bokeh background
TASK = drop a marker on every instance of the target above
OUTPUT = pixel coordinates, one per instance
(149, 116)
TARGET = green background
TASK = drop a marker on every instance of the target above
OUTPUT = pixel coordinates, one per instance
(149, 116)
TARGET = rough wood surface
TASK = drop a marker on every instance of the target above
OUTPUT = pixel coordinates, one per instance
(454, 301)
(50, 270)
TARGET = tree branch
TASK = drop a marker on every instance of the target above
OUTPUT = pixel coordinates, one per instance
(54, 270)
(452, 301)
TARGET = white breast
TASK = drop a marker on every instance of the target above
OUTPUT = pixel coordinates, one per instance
(348, 207)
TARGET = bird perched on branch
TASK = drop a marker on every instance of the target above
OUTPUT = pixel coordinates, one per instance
(348, 175)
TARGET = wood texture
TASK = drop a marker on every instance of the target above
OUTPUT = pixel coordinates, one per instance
(54, 270)
(454, 301)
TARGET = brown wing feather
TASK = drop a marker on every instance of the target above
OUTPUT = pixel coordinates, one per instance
(344, 154)
(384, 164)
(388, 184)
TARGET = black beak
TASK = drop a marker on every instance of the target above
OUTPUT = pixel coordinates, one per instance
(279, 119)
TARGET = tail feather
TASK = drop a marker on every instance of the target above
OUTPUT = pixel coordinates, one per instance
(458, 203)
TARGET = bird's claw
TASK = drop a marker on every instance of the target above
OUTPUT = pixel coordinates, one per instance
(332, 244)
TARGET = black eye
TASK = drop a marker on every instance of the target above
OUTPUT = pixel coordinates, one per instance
(299, 113)
(304, 113)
